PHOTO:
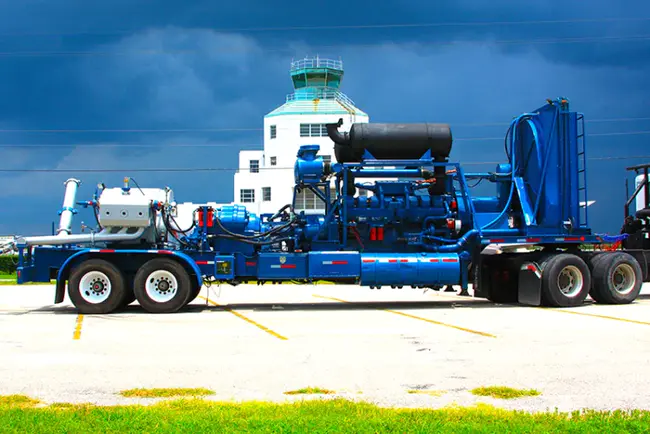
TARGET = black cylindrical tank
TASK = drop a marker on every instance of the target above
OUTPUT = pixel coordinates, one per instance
(390, 141)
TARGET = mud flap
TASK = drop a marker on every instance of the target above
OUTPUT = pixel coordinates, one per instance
(530, 284)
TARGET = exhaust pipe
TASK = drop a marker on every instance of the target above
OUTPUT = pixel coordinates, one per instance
(338, 137)
(67, 212)
(101, 237)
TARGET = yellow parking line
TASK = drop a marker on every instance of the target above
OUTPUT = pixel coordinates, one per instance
(615, 318)
(415, 317)
(77, 330)
(245, 318)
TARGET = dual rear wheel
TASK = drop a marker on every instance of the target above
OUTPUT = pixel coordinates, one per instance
(567, 279)
(609, 278)
(161, 285)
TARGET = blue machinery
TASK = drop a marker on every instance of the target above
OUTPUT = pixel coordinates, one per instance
(400, 214)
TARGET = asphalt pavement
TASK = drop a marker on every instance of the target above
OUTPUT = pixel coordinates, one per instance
(405, 348)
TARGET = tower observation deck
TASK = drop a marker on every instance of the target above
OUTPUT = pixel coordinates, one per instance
(317, 79)
(316, 84)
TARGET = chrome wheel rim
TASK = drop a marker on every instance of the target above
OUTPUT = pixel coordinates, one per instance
(95, 287)
(161, 286)
(623, 279)
(570, 281)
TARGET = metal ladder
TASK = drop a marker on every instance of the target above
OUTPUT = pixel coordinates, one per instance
(582, 173)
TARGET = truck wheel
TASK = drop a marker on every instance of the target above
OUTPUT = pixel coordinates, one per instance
(566, 281)
(96, 287)
(617, 279)
(162, 286)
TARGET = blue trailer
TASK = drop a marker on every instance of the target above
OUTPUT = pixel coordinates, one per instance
(417, 224)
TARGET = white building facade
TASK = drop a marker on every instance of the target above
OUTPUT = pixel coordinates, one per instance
(265, 179)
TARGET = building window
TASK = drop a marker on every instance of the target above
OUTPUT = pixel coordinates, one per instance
(247, 195)
(313, 130)
(327, 158)
(266, 194)
(274, 161)
(274, 131)
(254, 166)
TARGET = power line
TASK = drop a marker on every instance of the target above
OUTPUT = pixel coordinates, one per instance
(624, 133)
(227, 169)
(346, 27)
(135, 130)
(218, 130)
(230, 145)
(8, 54)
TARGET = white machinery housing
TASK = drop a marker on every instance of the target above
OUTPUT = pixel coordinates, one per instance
(131, 208)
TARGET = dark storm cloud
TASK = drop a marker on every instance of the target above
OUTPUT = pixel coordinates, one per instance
(202, 78)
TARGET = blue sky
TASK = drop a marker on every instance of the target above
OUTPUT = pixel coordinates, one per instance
(142, 65)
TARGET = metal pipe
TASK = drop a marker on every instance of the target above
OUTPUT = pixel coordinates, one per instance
(647, 190)
(103, 236)
(627, 194)
(336, 136)
(67, 212)
(456, 247)
(390, 173)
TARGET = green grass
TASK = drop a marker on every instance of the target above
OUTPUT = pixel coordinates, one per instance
(10, 279)
(310, 391)
(196, 415)
(13, 282)
(165, 393)
(503, 392)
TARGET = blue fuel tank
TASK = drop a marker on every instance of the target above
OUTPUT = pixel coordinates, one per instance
(422, 269)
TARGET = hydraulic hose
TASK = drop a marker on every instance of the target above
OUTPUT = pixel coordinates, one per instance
(252, 237)
(456, 247)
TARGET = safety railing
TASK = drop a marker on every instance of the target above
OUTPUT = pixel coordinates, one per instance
(320, 93)
(316, 62)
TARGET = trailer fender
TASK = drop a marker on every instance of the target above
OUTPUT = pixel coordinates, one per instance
(64, 271)
(530, 284)
(62, 275)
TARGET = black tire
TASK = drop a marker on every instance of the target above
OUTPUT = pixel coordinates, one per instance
(617, 279)
(196, 289)
(97, 276)
(162, 294)
(565, 272)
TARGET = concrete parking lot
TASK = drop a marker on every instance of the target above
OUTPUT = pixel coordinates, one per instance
(253, 342)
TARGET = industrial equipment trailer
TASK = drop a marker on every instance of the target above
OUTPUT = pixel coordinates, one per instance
(414, 224)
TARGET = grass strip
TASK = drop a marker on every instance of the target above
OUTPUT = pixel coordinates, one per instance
(165, 393)
(503, 392)
(197, 415)
(310, 391)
